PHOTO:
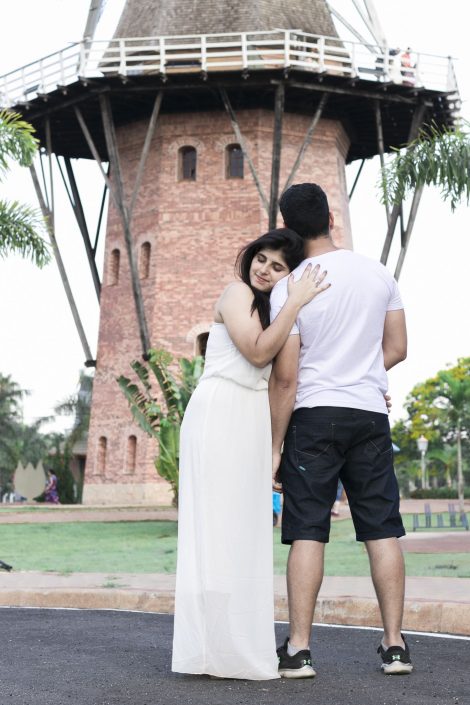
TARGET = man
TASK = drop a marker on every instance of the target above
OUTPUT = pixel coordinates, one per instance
(332, 373)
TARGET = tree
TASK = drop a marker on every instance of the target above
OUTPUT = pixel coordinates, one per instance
(437, 157)
(162, 421)
(21, 227)
(11, 397)
(439, 409)
(78, 405)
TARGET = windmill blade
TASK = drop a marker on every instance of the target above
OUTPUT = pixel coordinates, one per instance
(379, 34)
(94, 14)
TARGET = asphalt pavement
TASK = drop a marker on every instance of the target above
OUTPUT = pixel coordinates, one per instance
(97, 657)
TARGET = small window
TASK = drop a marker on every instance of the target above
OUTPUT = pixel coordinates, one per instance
(131, 453)
(234, 162)
(101, 456)
(201, 344)
(144, 263)
(114, 267)
(187, 164)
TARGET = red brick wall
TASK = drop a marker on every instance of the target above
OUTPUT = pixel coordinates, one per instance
(195, 229)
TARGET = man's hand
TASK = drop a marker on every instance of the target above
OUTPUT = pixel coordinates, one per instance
(388, 401)
(277, 485)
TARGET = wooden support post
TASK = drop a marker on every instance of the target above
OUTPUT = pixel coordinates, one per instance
(416, 123)
(111, 142)
(380, 145)
(276, 154)
(242, 143)
(100, 216)
(307, 140)
(409, 229)
(81, 220)
(353, 188)
(49, 220)
(145, 151)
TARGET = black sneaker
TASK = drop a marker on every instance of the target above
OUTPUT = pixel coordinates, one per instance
(396, 661)
(298, 666)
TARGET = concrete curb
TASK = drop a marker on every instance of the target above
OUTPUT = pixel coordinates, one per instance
(420, 615)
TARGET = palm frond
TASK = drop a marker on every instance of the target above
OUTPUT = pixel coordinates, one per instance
(17, 141)
(439, 156)
(20, 233)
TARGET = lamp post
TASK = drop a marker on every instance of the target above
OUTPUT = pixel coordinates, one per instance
(422, 444)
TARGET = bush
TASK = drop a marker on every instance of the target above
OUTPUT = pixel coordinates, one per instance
(438, 493)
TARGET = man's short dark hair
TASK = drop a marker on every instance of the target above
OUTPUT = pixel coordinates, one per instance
(305, 209)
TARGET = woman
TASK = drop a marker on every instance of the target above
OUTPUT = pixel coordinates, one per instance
(50, 492)
(224, 608)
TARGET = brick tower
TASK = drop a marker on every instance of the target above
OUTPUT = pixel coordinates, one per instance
(205, 111)
(198, 204)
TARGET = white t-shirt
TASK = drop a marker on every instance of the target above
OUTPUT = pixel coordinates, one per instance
(341, 359)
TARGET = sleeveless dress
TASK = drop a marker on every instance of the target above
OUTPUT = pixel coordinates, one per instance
(224, 602)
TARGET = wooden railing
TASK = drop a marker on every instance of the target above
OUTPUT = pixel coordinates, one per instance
(225, 52)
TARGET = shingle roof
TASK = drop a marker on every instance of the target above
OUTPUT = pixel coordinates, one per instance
(144, 18)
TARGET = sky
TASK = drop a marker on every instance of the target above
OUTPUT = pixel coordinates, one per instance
(40, 348)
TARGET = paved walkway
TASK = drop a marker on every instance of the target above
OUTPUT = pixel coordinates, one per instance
(121, 658)
(432, 604)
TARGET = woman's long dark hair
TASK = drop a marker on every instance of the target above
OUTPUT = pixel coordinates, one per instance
(292, 247)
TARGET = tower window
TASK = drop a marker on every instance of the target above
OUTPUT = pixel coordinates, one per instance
(101, 455)
(131, 453)
(234, 162)
(144, 262)
(114, 267)
(201, 344)
(187, 161)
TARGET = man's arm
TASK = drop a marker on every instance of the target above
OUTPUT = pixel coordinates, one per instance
(394, 341)
(282, 390)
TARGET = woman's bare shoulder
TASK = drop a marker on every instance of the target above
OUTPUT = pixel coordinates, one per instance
(234, 294)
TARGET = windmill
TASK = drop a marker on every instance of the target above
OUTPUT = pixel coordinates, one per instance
(198, 114)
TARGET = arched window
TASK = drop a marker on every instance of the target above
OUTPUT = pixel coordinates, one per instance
(101, 455)
(233, 162)
(187, 162)
(114, 267)
(201, 344)
(144, 262)
(131, 453)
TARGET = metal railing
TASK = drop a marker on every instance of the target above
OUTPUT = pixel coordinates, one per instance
(206, 53)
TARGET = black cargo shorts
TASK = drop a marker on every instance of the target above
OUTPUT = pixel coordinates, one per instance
(324, 444)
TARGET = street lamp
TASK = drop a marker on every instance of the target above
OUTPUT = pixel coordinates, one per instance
(422, 444)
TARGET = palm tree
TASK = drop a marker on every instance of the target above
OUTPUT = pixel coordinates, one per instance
(10, 415)
(79, 406)
(455, 393)
(21, 227)
(162, 422)
(437, 157)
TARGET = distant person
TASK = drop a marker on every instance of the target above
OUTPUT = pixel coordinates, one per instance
(327, 403)
(335, 509)
(408, 68)
(50, 493)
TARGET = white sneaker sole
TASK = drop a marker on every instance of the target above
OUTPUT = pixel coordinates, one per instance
(304, 672)
(396, 668)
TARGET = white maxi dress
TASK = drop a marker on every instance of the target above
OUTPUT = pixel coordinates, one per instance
(224, 603)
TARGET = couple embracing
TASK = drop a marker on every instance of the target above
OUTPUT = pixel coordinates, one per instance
(292, 397)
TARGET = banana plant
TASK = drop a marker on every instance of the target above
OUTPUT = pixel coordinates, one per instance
(160, 415)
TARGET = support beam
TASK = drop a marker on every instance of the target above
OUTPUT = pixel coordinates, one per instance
(416, 123)
(380, 145)
(307, 140)
(81, 220)
(100, 216)
(111, 143)
(49, 221)
(276, 154)
(353, 188)
(376, 95)
(409, 229)
(145, 151)
(242, 143)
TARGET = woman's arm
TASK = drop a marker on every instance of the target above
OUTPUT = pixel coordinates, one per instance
(257, 345)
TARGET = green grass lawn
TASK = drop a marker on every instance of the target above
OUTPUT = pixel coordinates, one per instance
(150, 547)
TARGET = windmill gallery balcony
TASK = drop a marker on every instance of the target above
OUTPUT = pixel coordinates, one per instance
(212, 53)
